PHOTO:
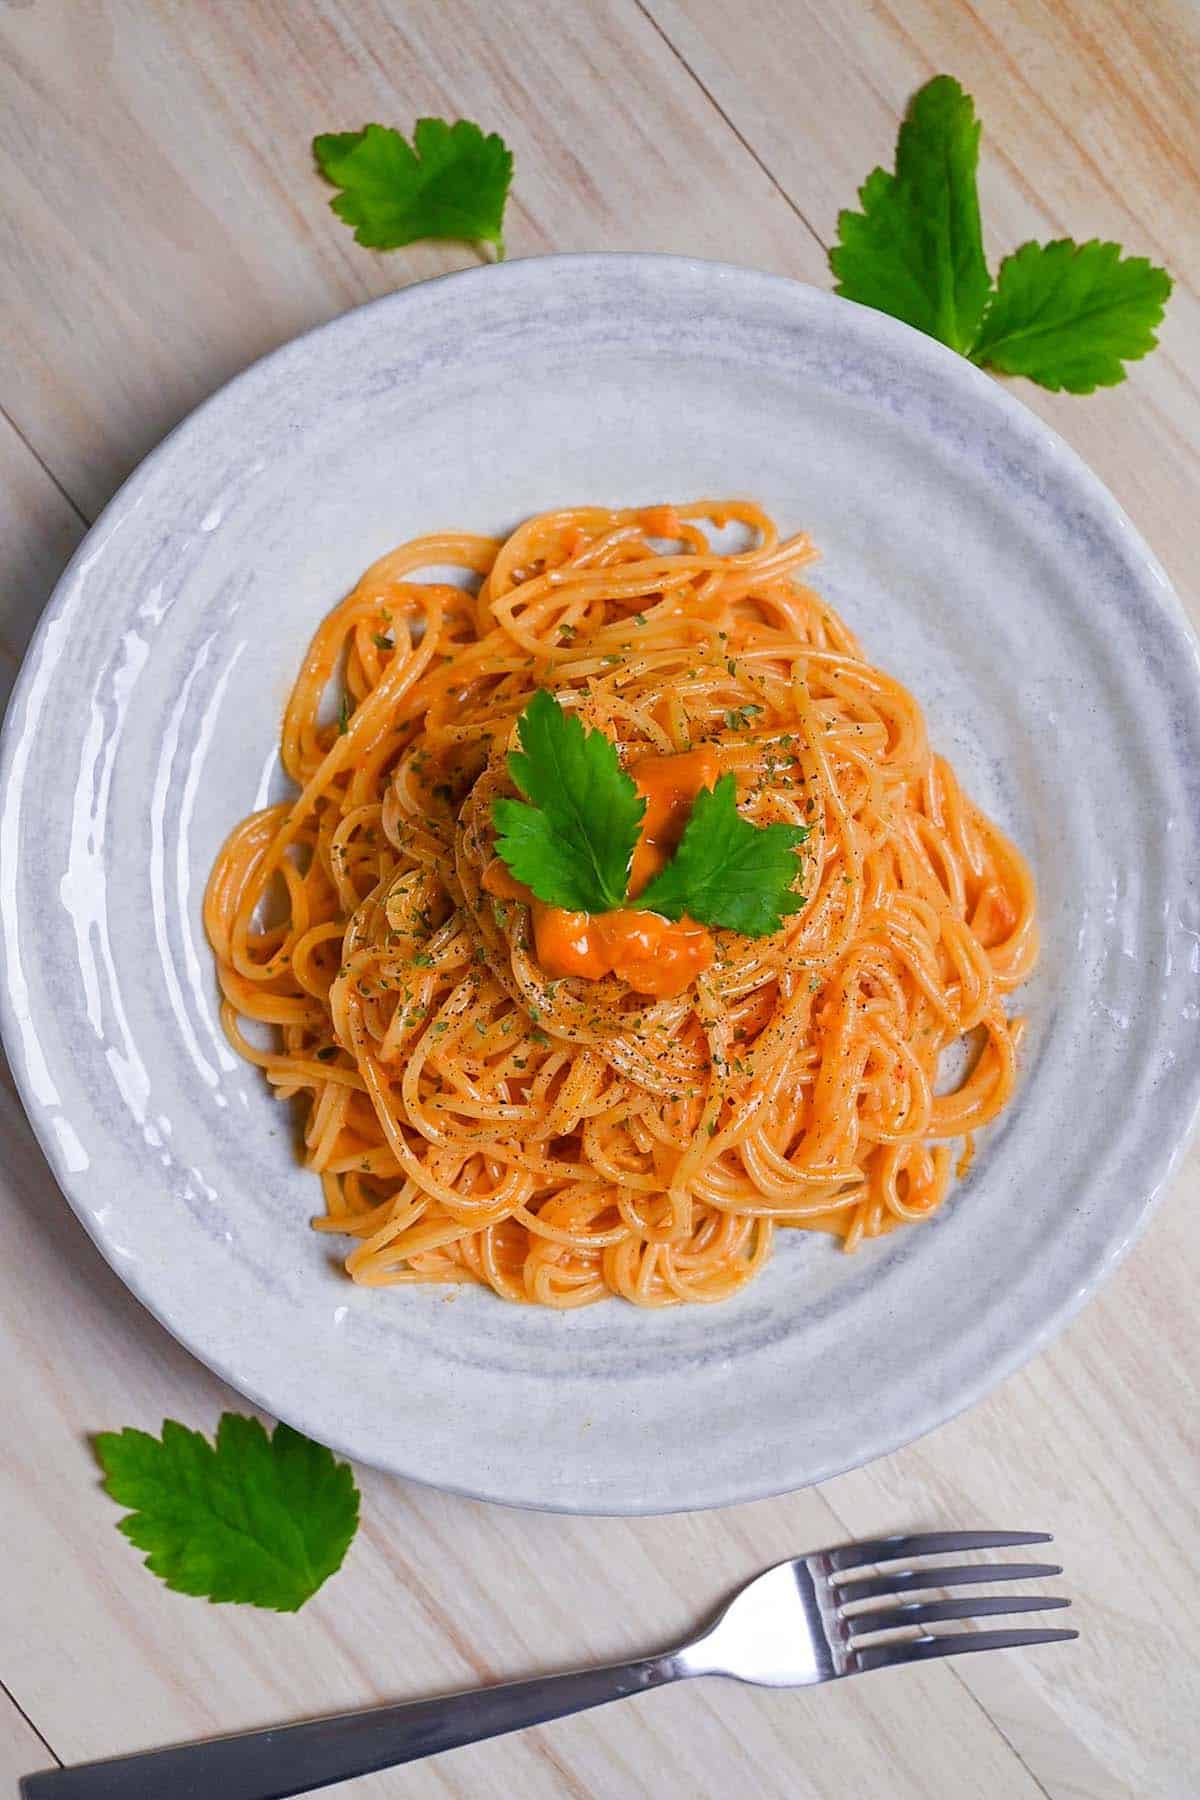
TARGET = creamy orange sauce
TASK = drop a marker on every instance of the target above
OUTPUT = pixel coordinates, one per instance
(660, 521)
(498, 879)
(656, 956)
(994, 916)
(669, 785)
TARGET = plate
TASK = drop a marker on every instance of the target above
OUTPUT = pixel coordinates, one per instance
(979, 561)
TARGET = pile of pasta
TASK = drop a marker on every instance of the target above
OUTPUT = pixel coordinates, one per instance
(561, 1140)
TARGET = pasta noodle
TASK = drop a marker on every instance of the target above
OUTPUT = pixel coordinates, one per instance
(473, 1118)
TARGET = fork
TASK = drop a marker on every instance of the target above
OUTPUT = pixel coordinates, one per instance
(798, 1624)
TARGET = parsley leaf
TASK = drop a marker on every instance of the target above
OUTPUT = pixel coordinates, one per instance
(916, 248)
(1071, 315)
(1066, 315)
(451, 182)
(261, 1520)
(728, 871)
(574, 844)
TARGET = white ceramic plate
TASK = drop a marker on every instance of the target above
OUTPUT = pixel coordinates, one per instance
(979, 560)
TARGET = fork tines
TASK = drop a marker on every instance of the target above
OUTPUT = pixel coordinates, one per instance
(929, 1543)
(850, 1588)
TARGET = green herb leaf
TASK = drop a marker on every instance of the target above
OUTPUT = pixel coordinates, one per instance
(1071, 315)
(728, 871)
(1066, 315)
(261, 1520)
(451, 182)
(916, 248)
(574, 844)
(344, 715)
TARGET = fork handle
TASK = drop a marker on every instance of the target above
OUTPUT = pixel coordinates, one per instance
(293, 1759)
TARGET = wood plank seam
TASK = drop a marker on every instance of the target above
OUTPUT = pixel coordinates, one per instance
(6, 1693)
(47, 471)
(729, 123)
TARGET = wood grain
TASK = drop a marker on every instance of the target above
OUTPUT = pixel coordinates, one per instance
(1076, 113)
(159, 227)
(163, 226)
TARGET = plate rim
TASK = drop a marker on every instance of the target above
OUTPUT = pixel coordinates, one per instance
(910, 344)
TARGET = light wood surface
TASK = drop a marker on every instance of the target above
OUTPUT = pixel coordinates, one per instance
(160, 226)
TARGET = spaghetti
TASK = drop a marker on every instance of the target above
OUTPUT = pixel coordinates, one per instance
(474, 1116)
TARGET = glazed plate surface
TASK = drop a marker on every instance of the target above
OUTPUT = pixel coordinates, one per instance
(977, 559)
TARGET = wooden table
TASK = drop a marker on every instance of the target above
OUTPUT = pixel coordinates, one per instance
(160, 226)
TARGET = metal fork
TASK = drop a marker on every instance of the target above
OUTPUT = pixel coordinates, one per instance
(797, 1624)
